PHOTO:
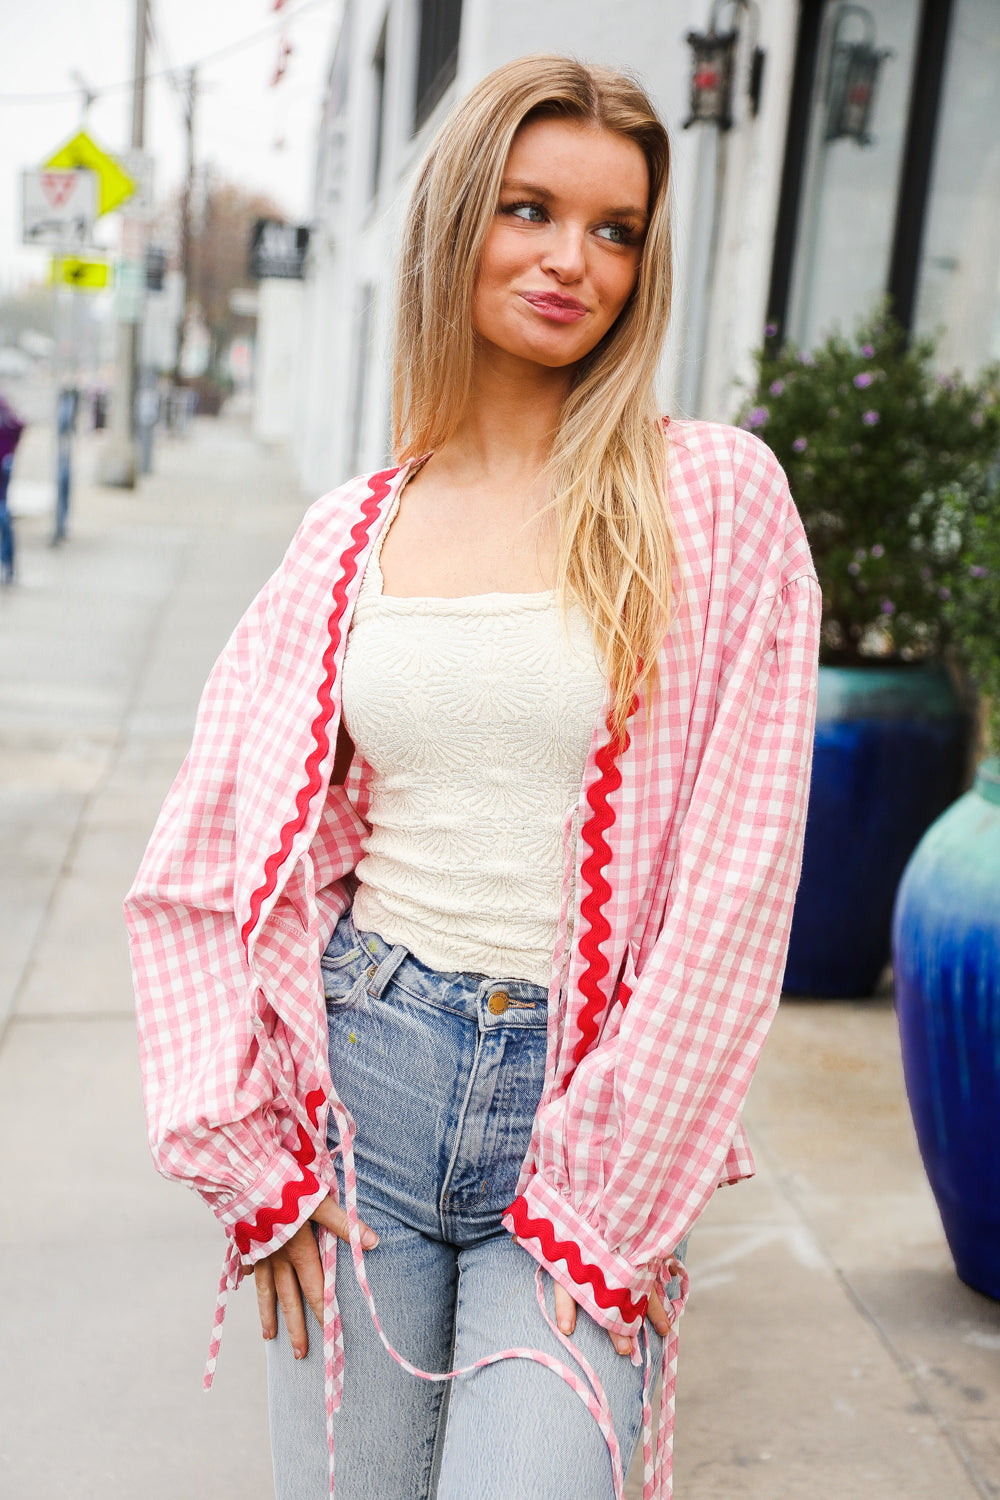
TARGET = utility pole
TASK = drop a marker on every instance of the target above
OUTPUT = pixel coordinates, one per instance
(191, 94)
(119, 464)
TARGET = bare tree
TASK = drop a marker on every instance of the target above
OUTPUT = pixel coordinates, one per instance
(221, 224)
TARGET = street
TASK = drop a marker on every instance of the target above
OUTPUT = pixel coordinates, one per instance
(828, 1352)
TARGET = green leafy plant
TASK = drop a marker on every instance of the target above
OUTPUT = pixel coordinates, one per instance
(972, 610)
(891, 465)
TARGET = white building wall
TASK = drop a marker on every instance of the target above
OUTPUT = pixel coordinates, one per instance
(279, 317)
(718, 318)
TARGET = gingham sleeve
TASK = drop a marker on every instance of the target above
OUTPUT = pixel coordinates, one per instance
(633, 1150)
(212, 1116)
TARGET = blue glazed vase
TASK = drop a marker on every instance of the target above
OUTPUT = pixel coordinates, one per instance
(889, 757)
(946, 946)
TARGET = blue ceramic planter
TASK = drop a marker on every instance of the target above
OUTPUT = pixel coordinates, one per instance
(889, 757)
(946, 944)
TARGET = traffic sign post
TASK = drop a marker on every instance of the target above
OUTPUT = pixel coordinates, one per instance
(114, 185)
(84, 275)
(58, 208)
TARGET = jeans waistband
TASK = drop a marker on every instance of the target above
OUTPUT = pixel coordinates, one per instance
(492, 1002)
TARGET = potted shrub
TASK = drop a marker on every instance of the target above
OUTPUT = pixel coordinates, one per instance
(880, 452)
(946, 945)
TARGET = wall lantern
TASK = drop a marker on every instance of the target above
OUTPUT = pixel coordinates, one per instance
(853, 75)
(713, 65)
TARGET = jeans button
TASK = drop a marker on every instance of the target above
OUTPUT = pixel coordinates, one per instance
(497, 1003)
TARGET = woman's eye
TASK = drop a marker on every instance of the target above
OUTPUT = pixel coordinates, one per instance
(617, 234)
(532, 213)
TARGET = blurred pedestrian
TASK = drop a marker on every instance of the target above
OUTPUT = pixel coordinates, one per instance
(508, 766)
(67, 406)
(11, 427)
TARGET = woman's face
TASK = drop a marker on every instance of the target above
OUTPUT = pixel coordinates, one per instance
(564, 249)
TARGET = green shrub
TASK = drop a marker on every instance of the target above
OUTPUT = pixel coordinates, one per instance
(893, 469)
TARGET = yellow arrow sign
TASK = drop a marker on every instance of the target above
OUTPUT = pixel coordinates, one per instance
(91, 275)
(113, 184)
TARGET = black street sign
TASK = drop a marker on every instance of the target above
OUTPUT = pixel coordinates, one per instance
(278, 250)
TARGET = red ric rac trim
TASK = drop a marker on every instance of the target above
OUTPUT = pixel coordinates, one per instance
(541, 1230)
(379, 486)
(592, 906)
(262, 1227)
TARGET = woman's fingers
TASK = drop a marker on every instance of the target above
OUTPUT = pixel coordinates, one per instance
(267, 1301)
(286, 1284)
(566, 1318)
(658, 1315)
(335, 1218)
(296, 1271)
(303, 1254)
(565, 1310)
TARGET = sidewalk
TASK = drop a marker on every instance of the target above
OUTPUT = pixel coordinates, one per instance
(828, 1352)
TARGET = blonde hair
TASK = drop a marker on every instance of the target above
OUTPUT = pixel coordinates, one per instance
(616, 550)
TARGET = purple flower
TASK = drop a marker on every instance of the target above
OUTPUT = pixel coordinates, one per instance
(865, 378)
(878, 550)
(854, 568)
(944, 593)
(868, 350)
(870, 418)
(888, 608)
(978, 572)
(777, 386)
(758, 417)
(799, 445)
(806, 359)
(860, 554)
(770, 329)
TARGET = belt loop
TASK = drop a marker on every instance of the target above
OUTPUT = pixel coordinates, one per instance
(385, 971)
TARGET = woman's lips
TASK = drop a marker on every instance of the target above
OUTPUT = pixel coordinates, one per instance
(559, 309)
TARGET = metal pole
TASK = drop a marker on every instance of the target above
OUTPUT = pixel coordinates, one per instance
(119, 463)
(186, 196)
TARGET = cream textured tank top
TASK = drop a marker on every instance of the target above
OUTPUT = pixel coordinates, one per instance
(476, 716)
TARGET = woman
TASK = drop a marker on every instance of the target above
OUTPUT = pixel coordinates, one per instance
(508, 764)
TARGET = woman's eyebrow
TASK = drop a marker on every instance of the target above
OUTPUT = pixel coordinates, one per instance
(517, 185)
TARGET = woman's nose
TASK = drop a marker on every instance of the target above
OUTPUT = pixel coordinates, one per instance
(564, 253)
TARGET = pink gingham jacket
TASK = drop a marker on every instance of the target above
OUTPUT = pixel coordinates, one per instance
(683, 855)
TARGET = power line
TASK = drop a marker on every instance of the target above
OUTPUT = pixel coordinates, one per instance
(170, 74)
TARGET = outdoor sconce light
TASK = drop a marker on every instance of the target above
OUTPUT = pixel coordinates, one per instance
(854, 68)
(712, 66)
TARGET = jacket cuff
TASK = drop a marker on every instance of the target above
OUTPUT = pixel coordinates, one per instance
(268, 1213)
(602, 1283)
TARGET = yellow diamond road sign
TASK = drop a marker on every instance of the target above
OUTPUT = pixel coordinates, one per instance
(114, 186)
(91, 275)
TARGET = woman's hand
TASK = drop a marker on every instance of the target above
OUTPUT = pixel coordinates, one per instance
(295, 1271)
(566, 1318)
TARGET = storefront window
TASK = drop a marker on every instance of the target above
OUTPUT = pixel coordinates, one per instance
(958, 297)
(848, 209)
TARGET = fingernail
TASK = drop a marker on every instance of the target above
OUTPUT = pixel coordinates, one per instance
(267, 1335)
(369, 1239)
(565, 1325)
(300, 1354)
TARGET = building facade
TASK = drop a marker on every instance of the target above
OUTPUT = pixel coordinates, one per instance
(861, 160)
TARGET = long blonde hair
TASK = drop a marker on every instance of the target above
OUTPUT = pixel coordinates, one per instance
(616, 549)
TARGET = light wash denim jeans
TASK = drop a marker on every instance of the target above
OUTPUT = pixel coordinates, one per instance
(442, 1073)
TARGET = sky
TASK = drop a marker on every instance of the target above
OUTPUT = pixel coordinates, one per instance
(260, 136)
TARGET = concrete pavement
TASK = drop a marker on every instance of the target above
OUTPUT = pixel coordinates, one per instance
(828, 1352)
